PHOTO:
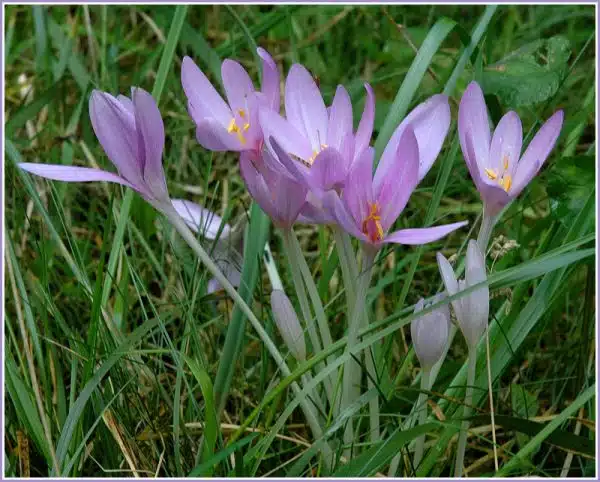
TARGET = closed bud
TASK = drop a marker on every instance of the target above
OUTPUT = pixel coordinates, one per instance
(429, 332)
(472, 310)
(288, 324)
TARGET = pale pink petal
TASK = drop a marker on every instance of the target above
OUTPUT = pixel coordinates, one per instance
(336, 209)
(340, 118)
(358, 192)
(365, 126)
(270, 80)
(211, 135)
(238, 85)
(286, 134)
(58, 172)
(200, 219)
(416, 236)
(473, 124)
(506, 144)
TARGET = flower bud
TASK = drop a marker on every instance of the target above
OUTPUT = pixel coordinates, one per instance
(472, 310)
(429, 332)
(288, 324)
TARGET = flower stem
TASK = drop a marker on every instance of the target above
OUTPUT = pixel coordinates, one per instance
(191, 240)
(350, 366)
(422, 407)
(485, 231)
(462, 439)
(347, 263)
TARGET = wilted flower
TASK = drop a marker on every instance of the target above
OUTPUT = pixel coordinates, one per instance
(131, 131)
(472, 310)
(225, 250)
(369, 206)
(288, 324)
(430, 332)
(496, 165)
(231, 125)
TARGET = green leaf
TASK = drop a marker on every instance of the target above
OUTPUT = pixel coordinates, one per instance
(529, 75)
(222, 455)
(525, 405)
(368, 463)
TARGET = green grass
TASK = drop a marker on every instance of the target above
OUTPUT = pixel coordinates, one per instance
(113, 351)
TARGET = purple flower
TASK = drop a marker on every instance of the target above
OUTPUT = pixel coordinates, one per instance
(231, 125)
(495, 162)
(279, 196)
(132, 134)
(430, 332)
(369, 206)
(225, 250)
(320, 139)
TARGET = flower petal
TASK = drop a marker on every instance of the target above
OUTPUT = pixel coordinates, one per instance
(58, 172)
(304, 106)
(285, 133)
(238, 85)
(328, 170)
(200, 219)
(402, 176)
(448, 276)
(537, 152)
(203, 99)
(506, 143)
(150, 126)
(211, 135)
(288, 324)
(473, 124)
(416, 236)
(336, 209)
(340, 118)
(270, 80)
(367, 120)
(358, 192)
(257, 186)
(115, 129)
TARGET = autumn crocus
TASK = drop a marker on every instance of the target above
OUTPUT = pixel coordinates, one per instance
(494, 161)
(132, 134)
(231, 125)
(472, 312)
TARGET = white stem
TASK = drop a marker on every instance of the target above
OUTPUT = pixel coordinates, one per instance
(422, 408)
(462, 439)
(485, 231)
(190, 239)
(350, 366)
(489, 373)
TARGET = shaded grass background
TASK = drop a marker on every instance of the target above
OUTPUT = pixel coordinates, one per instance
(124, 343)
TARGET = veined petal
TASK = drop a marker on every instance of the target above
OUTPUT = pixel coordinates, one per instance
(416, 236)
(335, 208)
(304, 106)
(238, 85)
(365, 126)
(506, 144)
(203, 99)
(286, 134)
(340, 118)
(328, 170)
(150, 127)
(473, 123)
(115, 128)
(537, 152)
(401, 178)
(257, 187)
(270, 80)
(289, 197)
(200, 219)
(358, 192)
(59, 172)
(211, 135)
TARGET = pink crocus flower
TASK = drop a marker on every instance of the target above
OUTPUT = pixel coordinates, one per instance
(231, 125)
(495, 162)
(132, 134)
(368, 206)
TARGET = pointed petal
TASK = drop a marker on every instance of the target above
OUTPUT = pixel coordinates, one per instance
(288, 324)
(200, 219)
(365, 126)
(211, 135)
(416, 236)
(537, 152)
(335, 208)
(358, 192)
(257, 186)
(270, 80)
(281, 163)
(429, 334)
(340, 118)
(152, 133)
(401, 178)
(473, 123)
(288, 197)
(506, 143)
(115, 128)
(238, 85)
(448, 276)
(328, 170)
(286, 134)
(476, 304)
(304, 106)
(58, 172)
(204, 100)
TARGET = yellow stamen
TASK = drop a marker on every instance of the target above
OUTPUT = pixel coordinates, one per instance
(491, 174)
(505, 160)
(242, 113)
(506, 182)
(232, 126)
(246, 126)
(376, 218)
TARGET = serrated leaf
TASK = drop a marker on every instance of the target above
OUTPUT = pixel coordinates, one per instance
(529, 75)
